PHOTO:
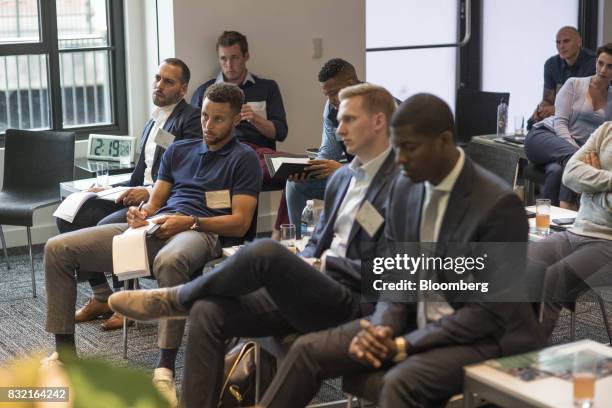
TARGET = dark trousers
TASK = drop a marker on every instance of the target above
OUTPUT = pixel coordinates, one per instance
(94, 211)
(543, 147)
(426, 379)
(263, 290)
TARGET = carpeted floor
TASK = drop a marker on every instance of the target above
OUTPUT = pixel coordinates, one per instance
(22, 324)
(22, 321)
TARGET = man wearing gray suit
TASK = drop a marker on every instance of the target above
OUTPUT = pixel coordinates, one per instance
(442, 197)
(265, 289)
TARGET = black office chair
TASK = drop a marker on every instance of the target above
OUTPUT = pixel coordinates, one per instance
(35, 162)
(533, 174)
(476, 113)
(502, 163)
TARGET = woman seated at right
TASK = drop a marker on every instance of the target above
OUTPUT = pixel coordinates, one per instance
(581, 105)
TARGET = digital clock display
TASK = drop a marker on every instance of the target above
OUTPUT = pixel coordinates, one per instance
(110, 147)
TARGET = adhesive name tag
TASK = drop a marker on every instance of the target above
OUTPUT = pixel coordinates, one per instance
(218, 199)
(369, 218)
(163, 138)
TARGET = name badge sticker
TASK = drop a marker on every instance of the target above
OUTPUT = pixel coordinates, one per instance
(218, 199)
(369, 218)
(163, 138)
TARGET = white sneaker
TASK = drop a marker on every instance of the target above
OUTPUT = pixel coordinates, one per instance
(51, 361)
(163, 380)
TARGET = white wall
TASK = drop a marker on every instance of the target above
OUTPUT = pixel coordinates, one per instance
(605, 11)
(280, 35)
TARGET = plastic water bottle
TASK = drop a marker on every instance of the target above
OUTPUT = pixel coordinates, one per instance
(308, 219)
(502, 118)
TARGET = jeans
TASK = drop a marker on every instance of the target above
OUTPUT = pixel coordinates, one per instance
(544, 147)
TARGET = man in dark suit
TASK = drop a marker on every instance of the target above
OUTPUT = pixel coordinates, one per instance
(182, 121)
(267, 290)
(442, 197)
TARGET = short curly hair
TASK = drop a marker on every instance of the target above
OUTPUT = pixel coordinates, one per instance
(335, 67)
(224, 92)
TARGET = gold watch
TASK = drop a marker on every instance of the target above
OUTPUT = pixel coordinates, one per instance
(402, 354)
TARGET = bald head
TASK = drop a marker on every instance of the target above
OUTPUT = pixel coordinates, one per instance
(568, 44)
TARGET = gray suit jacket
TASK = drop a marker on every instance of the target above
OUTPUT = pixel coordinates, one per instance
(481, 208)
(360, 245)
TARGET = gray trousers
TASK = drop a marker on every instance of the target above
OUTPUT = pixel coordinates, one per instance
(574, 264)
(426, 379)
(173, 261)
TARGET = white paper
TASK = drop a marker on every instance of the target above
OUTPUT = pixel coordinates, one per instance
(130, 258)
(68, 208)
(278, 161)
(259, 107)
(112, 194)
(369, 218)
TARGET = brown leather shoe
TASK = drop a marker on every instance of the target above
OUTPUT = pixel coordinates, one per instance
(92, 310)
(115, 322)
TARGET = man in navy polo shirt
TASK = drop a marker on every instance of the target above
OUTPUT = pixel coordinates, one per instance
(572, 61)
(204, 189)
(263, 115)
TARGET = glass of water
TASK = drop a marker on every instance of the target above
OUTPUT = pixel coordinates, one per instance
(101, 174)
(288, 236)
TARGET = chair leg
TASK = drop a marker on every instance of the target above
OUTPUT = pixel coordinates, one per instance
(529, 196)
(604, 314)
(572, 326)
(126, 286)
(8, 264)
(31, 261)
(257, 352)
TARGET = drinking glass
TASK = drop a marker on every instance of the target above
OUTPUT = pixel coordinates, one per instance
(101, 174)
(519, 123)
(288, 234)
(543, 216)
(583, 378)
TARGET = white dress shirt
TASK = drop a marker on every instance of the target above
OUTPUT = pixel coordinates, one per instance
(160, 115)
(363, 173)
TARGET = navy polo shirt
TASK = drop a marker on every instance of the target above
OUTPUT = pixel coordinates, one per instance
(255, 89)
(556, 70)
(194, 170)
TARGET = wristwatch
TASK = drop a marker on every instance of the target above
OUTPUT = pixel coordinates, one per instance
(402, 354)
(196, 224)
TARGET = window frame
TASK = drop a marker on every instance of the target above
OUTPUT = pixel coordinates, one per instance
(48, 45)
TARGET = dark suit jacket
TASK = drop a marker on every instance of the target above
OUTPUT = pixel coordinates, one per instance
(481, 208)
(183, 123)
(360, 245)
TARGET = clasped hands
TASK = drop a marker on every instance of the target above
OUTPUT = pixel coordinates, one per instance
(373, 345)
